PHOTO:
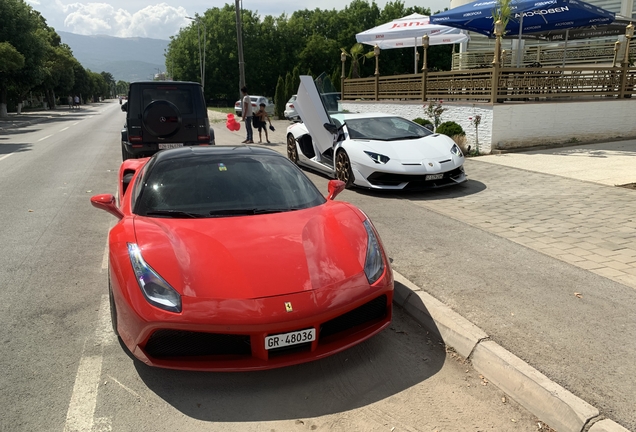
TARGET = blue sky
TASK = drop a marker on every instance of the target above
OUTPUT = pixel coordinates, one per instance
(162, 19)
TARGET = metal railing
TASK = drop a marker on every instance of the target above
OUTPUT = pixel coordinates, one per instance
(598, 53)
(497, 84)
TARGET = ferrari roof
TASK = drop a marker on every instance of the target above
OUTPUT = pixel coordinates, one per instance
(187, 151)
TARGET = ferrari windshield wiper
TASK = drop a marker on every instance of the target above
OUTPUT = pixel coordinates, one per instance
(252, 211)
(175, 214)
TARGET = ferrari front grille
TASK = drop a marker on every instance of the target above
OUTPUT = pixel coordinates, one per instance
(369, 312)
(180, 343)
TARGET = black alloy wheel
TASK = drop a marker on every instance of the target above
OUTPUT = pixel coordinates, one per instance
(292, 150)
(343, 168)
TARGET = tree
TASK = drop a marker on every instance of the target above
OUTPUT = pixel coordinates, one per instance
(288, 86)
(279, 98)
(20, 26)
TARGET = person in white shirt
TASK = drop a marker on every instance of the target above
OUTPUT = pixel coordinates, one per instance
(247, 116)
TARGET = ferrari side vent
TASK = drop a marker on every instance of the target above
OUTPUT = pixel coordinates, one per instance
(369, 312)
(179, 343)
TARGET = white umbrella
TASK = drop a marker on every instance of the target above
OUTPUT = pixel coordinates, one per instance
(408, 31)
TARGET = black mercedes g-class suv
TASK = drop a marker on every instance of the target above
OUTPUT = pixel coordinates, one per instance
(164, 114)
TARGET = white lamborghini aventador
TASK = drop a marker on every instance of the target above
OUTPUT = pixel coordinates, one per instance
(377, 151)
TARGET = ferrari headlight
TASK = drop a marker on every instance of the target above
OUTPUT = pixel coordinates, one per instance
(377, 158)
(156, 290)
(374, 263)
(456, 150)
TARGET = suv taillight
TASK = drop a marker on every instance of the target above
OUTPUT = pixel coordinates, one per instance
(205, 138)
(134, 139)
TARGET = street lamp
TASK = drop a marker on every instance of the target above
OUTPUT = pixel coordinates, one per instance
(629, 34)
(201, 56)
(343, 59)
(425, 45)
(239, 41)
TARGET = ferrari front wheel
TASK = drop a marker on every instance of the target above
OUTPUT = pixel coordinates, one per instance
(343, 168)
(113, 308)
(292, 150)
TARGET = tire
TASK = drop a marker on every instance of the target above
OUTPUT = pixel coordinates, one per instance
(113, 309)
(292, 150)
(343, 168)
(162, 118)
(125, 155)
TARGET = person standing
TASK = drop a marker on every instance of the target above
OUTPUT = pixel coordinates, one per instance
(247, 115)
(76, 102)
(260, 122)
(69, 99)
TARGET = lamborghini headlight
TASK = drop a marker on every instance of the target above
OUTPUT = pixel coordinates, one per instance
(456, 150)
(157, 291)
(374, 263)
(377, 158)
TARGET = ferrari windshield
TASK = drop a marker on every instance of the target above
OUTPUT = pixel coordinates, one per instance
(223, 185)
(385, 129)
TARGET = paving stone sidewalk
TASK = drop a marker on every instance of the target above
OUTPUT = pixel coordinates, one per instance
(588, 225)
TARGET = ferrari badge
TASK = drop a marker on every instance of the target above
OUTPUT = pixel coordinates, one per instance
(288, 307)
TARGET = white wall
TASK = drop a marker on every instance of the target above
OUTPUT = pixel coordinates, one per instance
(532, 124)
(527, 124)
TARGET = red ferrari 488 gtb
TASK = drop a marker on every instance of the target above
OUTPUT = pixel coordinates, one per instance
(229, 259)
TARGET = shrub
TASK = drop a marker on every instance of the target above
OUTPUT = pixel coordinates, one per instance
(450, 128)
(421, 121)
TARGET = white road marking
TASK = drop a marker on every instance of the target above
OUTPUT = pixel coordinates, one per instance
(62, 130)
(5, 156)
(81, 409)
(129, 390)
(42, 139)
(75, 123)
(79, 416)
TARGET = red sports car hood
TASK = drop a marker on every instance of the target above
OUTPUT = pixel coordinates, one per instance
(256, 256)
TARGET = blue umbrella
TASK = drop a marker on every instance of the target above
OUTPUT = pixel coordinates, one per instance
(532, 16)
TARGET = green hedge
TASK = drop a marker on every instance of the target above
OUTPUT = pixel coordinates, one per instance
(450, 128)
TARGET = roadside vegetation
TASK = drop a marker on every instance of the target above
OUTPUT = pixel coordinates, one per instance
(310, 41)
(34, 63)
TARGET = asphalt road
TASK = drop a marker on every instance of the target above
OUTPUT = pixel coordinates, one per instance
(64, 371)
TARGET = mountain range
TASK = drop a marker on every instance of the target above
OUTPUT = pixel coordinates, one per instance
(127, 59)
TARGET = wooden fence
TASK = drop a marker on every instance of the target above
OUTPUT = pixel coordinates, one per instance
(497, 84)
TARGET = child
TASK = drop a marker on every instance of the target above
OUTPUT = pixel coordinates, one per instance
(260, 122)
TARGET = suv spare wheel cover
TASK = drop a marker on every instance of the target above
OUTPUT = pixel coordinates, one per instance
(162, 118)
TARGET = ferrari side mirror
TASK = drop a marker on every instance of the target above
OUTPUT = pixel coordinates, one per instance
(335, 187)
(107, 202)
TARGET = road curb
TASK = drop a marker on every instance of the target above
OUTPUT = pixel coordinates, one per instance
(545, 399)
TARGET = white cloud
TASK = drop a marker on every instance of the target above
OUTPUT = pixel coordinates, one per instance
(159, 21)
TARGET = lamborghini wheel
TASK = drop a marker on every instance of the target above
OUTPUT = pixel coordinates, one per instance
(343, 168)
(292, 150)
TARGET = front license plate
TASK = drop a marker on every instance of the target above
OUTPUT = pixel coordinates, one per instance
(292, 338)
(434, 176)
(169, 146)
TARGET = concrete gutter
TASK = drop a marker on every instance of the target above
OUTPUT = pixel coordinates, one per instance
(548, 401)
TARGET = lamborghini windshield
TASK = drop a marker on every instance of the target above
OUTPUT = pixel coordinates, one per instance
(385, 129)
(223, 185)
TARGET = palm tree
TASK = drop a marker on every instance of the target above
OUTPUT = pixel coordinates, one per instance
(356, 53)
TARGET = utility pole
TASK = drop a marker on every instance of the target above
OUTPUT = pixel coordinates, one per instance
(239, 39)
(199, 21)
